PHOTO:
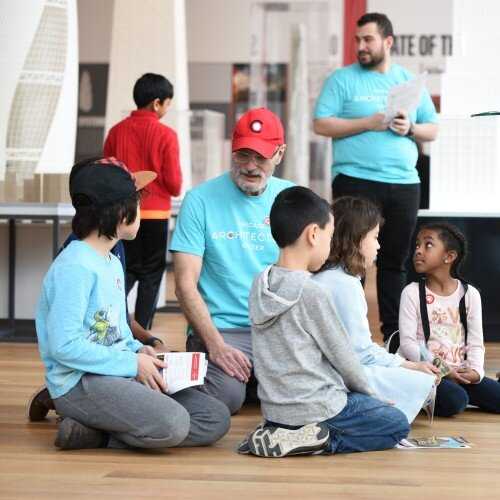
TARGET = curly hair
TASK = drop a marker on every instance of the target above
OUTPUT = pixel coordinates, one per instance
(453, 240)
(354, 219)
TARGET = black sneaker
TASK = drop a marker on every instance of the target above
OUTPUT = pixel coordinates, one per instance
(72, 435)
(39, 405)
(280, 442)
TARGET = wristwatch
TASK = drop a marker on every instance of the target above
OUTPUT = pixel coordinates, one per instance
(410, 132)
(152, 341)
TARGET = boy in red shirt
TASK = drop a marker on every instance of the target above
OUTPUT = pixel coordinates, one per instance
(143, 143)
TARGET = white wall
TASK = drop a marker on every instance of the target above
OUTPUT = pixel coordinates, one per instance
(218, 30)
(95, 20)
(423, 23)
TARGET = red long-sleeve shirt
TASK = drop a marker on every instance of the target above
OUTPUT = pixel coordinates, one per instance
(143, 143)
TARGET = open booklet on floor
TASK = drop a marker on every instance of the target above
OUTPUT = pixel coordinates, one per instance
(433, 442)
(184, 369)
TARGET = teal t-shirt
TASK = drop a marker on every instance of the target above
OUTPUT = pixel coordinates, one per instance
(81, 319)
(354, 92)
(230, 231)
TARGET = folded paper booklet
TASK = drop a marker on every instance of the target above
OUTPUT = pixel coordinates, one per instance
(184, 369)
(433, 442)
(443, 367)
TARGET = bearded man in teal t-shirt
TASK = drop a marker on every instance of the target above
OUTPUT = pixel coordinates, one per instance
(375, 159)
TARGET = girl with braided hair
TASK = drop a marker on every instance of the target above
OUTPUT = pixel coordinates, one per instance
(441, 318)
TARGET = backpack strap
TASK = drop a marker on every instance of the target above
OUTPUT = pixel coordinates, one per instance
(425, 317)
(423, 309)
(463, 315)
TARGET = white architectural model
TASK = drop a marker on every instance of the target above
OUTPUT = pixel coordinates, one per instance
(38, 93)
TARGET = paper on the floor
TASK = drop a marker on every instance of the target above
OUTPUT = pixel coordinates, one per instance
(441, 442)
(184, 369)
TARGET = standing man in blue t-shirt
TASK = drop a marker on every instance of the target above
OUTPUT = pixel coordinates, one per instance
(222, 240)
(375, 159)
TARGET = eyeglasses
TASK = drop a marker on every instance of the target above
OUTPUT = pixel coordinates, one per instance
(244, 158)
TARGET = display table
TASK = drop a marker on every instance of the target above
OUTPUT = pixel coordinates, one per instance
(52, 213)
(12, 328)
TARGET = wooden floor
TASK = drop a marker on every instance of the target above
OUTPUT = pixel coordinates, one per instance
(31, 468)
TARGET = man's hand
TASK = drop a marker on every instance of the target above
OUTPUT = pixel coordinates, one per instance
(148, 374)
(401, 123)
(457, 376)
(376, 122)
(468, 373)
(231, 360)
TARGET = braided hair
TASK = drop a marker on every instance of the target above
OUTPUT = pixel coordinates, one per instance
(453, 240)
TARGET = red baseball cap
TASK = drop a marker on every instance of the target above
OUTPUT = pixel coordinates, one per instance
(259, 130)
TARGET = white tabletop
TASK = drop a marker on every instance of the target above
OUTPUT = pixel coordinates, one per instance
(52, 209)
(459, 215)
(37, 210)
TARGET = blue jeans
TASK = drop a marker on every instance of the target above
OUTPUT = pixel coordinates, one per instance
(453, 398)
(366, 424)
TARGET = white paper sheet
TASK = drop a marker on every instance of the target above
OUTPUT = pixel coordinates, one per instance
(184, 369)
(404, 97)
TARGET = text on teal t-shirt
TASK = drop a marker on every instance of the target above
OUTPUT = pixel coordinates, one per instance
(384, 156)
(230, 231)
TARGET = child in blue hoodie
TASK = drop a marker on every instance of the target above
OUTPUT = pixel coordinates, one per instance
(105, 384)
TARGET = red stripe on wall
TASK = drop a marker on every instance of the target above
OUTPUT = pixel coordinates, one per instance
(353, 10)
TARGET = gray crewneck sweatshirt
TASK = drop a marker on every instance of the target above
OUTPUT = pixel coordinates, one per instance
(303, 358)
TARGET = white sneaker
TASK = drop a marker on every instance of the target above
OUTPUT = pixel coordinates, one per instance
(280, 442)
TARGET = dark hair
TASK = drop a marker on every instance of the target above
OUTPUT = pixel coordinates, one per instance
(354, 219)
(151, 86)
(89, 217)
(293, 210)
(383, 23)
(453, 240)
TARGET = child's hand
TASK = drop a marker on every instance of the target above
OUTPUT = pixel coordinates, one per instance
(160, 348)
(457, 376)
(148, 371)
(150, 351)
(468, 373)
(423, 366)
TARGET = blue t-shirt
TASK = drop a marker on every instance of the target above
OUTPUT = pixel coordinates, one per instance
(81, 321)
(384, 156)
(230, 231)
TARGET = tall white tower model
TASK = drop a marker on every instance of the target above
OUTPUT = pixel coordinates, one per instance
(38, 91)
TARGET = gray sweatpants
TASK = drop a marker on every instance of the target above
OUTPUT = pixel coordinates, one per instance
(218, 383)
(136, 416)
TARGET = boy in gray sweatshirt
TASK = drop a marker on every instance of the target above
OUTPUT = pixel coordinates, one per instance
(313, 392)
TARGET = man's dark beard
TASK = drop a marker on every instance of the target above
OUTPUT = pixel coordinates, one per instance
(375, 61)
